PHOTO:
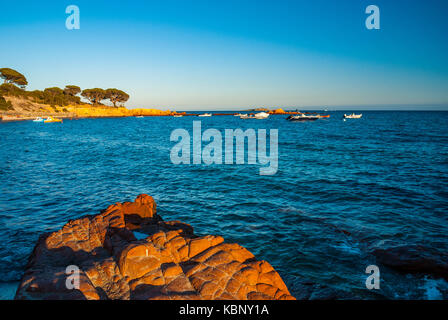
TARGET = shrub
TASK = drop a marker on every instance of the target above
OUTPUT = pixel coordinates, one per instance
(8, 89)
(5, 105)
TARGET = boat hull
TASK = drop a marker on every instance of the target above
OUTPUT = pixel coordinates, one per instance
(302, 118)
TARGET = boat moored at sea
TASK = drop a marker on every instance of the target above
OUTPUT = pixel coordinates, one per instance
(303, 117)
(38, 119)
(259, 116)
(51, 120)
(352, 116)
(205, 115)
(262, 115)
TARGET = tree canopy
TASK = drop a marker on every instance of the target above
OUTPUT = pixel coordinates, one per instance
(15, 82)
(95, 95)
(116, 95)
(5, 105)
(54, 91)
(72, 90)
(13, 76)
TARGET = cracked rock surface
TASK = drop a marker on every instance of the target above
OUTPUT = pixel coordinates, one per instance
(129, 252)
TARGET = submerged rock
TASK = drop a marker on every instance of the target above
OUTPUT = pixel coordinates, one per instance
(170, 263)
(414, 259)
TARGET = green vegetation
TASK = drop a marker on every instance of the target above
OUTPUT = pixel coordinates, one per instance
(13, 76)
(8, 89)
(72, 90)
(5, 105)
(55, 96)
(15, 83)
(95, 95)
(115, 96)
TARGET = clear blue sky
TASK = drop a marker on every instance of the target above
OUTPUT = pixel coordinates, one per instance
(235, 53)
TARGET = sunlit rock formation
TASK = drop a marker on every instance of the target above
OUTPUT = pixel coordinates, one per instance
(129, 252)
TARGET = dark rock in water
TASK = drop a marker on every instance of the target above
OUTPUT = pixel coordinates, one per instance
(170, 263)
(414, 259)
(314, 291)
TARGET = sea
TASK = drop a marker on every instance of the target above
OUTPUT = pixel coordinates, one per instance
(342, 190)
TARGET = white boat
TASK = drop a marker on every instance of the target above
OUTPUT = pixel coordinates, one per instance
(303, 117)
(139, 116)
(205, 115)
(352, 116)
(178, 116)
(238, 114)
(38, 119)
(261, 115)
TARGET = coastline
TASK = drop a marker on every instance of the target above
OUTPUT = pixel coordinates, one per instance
(95, 112)
(24, 109)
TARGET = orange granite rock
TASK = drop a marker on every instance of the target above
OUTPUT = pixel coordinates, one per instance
(168, 262)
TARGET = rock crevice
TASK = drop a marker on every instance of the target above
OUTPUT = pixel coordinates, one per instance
(169, 262)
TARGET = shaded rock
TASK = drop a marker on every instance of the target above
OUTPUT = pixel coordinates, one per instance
(170, 263)
(414, 259)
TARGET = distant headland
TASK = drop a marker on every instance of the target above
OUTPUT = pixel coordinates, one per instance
(16, 103)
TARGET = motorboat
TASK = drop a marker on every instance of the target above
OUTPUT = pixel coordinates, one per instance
(178, 116)
(38, 119)
(352, 116)
(238, 114)
(51, 120)
(303, 117)
(261, 115)
(205, 115)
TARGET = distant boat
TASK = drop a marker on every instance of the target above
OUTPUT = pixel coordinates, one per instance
(302, 117)
(51, 120)
(238, 114)
(260, 115)
(139, 116)
(178, 116)
(38, 119)
(352, 116)
(205, 115)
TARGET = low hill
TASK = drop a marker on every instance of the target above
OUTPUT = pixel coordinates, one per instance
(16, 103)
(21, 108)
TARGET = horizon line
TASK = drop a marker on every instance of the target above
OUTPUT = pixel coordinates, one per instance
(370, 107)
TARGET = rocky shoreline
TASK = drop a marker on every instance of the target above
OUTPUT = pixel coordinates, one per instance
(129, 252)
(26, 109)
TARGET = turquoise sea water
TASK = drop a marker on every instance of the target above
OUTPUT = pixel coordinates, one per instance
(342, 190)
